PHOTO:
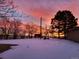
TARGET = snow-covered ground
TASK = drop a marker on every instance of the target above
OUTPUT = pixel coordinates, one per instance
(41, 49)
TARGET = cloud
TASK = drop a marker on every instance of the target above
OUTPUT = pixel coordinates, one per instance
(47, 8)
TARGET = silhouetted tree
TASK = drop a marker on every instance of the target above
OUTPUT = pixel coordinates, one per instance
(46, 32)
(16, 24)
(7, 11)
(31, 30)
(64, 21)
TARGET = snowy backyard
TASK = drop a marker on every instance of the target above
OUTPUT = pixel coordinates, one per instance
(41, 49)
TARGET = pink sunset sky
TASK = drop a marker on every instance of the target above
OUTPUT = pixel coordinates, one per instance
(47, 8)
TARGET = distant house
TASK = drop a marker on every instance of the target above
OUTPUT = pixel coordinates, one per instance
(73, 34)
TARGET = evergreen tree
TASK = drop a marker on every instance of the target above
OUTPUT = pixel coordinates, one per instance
(65, 21)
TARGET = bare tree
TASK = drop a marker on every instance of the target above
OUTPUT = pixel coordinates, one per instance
(16, 24)
(7, 11)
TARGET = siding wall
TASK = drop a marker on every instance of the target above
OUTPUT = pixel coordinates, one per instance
(73, 35)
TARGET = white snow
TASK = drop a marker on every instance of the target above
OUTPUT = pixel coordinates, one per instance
(41, 49)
